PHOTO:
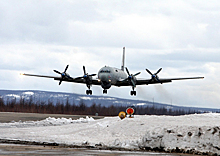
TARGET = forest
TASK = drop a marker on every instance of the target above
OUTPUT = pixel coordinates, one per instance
(29, 106)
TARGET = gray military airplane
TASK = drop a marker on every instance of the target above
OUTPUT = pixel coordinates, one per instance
(108, 76)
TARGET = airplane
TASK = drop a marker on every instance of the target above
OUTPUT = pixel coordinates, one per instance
(111, 76)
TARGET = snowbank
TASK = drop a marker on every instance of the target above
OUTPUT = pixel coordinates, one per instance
(189, 133)
(50, 121)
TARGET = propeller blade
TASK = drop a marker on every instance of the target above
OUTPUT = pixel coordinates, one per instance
(149, 72)
(66, 68)
(133, 84)
(158, 71)
(156, 78)
(69, 77)
(92, 75)
(127, 71)
(57, 72)
(84, 70)
(60, 82)
(137, 74)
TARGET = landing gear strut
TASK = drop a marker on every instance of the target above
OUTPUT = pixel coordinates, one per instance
(104, 91)
(133, 92)
(89, 92)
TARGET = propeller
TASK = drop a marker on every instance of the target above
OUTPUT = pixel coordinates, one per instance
(131, 78)
(154, 76)
(63, 74)
(86, 76)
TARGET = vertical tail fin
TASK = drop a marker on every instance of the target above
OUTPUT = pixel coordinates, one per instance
(123, 59)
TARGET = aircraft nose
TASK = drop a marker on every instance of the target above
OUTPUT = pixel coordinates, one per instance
(105, 77)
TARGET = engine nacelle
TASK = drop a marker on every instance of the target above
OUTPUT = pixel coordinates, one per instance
(134, 79)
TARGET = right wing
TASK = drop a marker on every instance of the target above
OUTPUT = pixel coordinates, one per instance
(70, 79)
(54, 77)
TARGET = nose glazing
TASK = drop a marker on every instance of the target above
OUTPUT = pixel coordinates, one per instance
(104, 77)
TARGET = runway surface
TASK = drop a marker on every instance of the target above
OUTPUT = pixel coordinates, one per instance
(10, 116)
(13, 149)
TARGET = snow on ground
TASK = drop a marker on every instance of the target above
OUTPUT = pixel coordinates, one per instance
(198, 132)
(13, 95)
(29, 93)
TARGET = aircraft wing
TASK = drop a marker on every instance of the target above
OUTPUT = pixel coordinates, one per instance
(70, 79)
(150, 81)
(54, 77)
(164, 80)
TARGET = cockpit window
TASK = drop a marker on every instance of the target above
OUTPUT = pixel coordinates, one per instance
(104, 71)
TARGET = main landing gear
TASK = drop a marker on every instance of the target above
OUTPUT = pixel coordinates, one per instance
(89, 92)
(104, 91)
(133, 93)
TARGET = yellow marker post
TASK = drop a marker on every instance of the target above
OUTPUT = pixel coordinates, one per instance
(122, 115)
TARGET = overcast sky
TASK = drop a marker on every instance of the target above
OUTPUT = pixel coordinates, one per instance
(181, 36)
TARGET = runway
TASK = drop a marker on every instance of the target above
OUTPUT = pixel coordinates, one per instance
(16, 149)
(11, 116)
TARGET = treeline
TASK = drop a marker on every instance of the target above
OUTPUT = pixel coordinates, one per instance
(29, 106)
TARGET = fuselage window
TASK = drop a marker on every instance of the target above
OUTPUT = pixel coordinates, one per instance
(104, 71)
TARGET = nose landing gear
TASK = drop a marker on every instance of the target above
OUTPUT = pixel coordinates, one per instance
(133, 93)
(89, 92)
(104, 91)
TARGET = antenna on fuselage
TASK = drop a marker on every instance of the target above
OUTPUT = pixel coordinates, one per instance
(123, 60)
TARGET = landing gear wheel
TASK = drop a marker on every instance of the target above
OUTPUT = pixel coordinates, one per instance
(89, 92)
(133, 93)
(104, 91)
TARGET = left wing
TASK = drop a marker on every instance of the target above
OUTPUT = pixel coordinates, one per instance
(150, 81)
(133, 81)
(167, 80)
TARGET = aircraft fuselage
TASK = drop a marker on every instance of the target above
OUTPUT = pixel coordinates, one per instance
(110, 76)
